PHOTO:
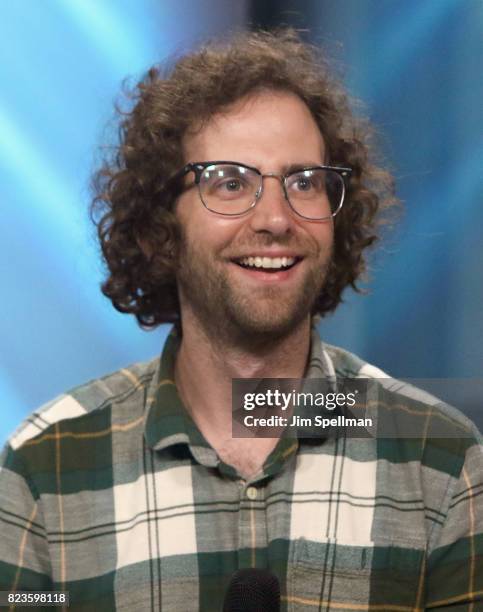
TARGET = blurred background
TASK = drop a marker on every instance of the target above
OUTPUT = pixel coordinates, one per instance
(415, 64)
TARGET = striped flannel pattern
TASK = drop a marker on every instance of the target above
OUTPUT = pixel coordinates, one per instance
(111, 493)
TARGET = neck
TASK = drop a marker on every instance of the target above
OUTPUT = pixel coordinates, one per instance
(207, 363)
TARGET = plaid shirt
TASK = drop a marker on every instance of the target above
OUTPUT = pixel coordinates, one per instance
(112, 493)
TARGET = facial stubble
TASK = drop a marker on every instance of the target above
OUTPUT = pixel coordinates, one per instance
(228, 309)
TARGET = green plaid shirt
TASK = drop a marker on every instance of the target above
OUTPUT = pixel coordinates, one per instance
(112, 493)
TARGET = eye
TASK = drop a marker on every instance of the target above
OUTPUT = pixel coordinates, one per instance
(230, 184)
(224, 180)
(306, 183)
(302, 183)
(225, 185)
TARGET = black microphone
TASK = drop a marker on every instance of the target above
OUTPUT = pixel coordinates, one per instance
(252, 590)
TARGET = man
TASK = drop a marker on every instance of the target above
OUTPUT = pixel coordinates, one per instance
(238, 206)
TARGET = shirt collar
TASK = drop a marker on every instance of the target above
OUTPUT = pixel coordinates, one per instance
(167, 420)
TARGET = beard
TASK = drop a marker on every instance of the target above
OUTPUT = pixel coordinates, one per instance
(230, 310)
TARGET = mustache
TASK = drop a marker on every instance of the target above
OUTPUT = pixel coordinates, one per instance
(301, 247)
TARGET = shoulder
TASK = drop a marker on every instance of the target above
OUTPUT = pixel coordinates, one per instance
(348, 365)
(86, 402)
(422, 444)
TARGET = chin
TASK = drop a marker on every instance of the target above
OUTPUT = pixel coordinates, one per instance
(267, 324)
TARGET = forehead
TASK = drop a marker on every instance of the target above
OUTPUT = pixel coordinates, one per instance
(266, 128)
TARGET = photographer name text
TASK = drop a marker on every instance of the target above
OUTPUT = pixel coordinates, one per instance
(298, 421)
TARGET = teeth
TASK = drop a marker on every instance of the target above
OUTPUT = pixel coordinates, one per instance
(268, 262)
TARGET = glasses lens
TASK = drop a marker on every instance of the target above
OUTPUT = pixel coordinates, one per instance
(228, 189)
(316, 193)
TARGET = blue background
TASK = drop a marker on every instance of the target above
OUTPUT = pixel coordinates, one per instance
(416, 64)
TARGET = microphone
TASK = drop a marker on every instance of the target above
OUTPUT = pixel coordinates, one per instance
(252, 590)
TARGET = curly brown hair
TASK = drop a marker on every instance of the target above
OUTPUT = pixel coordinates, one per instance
(133, 198)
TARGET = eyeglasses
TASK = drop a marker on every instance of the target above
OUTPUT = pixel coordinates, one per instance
(230, 188)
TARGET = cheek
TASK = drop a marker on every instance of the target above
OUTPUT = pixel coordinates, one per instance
(327, 237)
(322, 236)
(190, 218)
(206, 238)
(186, 207)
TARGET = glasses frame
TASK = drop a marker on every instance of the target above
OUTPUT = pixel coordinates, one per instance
(198, 167)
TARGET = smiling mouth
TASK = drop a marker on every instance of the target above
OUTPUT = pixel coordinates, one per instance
(267, 264)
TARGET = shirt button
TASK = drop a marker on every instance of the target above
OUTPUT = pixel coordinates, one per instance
(252, 493)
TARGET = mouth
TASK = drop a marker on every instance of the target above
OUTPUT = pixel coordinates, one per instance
(270, 265)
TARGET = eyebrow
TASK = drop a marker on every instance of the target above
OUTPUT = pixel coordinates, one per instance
(299, 166)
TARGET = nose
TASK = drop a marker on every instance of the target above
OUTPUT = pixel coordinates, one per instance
(272, 212)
